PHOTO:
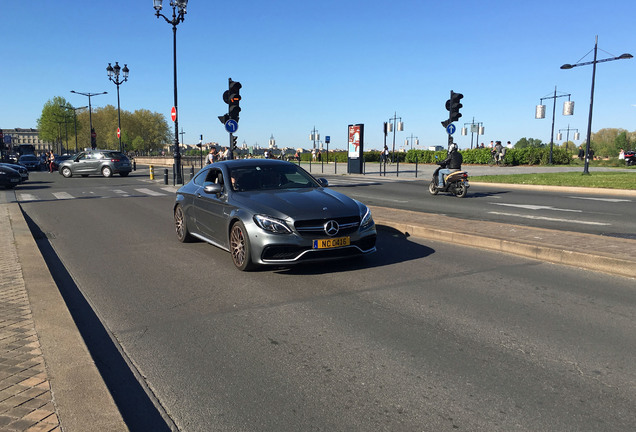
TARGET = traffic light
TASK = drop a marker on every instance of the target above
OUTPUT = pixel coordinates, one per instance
(93, 139)
(453, 105)
(232, 97)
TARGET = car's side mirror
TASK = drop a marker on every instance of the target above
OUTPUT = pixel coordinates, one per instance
(323, 182)
(215, 189)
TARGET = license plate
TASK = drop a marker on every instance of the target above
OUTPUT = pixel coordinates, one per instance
(15, 180)
(332, 242)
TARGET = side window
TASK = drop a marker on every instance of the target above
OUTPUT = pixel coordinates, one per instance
(214, 176)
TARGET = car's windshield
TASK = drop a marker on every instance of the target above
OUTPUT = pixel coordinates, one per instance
(28, 158)
(268, 177)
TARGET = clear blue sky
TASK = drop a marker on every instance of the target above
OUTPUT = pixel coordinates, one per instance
(327, 64)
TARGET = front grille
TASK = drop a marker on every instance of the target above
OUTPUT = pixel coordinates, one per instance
(289, 252)
(315, 227)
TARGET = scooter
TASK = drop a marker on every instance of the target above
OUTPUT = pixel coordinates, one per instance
(455, 183)
(630, 158)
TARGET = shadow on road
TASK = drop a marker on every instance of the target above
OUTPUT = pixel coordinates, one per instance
(392, 247)
(135, 405)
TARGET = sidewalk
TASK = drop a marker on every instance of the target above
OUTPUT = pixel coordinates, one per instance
(49, 382)
(48, 379)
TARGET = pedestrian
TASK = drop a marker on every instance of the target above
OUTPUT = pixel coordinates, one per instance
(212, 156)
(51, 158)
(581, 153)
(313, 154)
(621, 155)
(319, 156)
(590, 155)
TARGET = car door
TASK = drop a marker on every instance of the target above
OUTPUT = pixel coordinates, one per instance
(211, 210)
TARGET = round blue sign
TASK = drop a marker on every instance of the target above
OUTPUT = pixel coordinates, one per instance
(450, 129)
(231, 125)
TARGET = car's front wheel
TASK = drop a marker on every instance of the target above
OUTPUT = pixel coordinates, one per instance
(240, 247)
(66, 172)
(107, 172)
(183, 234)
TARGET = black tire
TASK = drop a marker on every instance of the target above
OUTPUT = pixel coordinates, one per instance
(432, 188)
(66, 172)
(181, 226)
(240, 247)
(107, 171)
(461, 190)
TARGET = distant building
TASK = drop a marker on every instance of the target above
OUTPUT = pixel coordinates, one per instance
(26, 136)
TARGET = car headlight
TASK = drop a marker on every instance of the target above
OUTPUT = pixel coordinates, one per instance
(272, 224)
(367, 219)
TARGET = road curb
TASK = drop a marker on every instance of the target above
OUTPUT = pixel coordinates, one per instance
(589, 261)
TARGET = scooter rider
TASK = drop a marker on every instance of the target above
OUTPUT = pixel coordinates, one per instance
(452, 163)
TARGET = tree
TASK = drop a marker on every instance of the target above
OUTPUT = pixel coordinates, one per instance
(54, 121)
(529, 142)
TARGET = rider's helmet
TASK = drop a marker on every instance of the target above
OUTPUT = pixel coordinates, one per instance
(452, 147)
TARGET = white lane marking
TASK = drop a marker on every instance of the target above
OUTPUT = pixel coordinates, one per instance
(537, 207)
(121, 192)
(27, 197)
(615, 200)
(574, 221)
(150, 192)
(367, 197)
(171, 189)
(63, 195)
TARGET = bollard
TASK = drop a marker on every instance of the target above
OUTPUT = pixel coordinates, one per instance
(191, 172)
(165, 176)
(152, 172)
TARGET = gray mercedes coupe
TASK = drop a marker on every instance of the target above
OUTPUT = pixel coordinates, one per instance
(270, 212)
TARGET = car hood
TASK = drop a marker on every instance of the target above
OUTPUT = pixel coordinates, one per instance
(298, 204)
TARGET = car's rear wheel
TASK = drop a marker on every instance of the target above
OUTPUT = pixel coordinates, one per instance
(107, 172)
(183, 234)
(240, 247)
(66, 172)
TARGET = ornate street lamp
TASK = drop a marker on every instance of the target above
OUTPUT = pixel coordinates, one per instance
(177, 18)
(90, 115)
(589, 120)
(113, 71)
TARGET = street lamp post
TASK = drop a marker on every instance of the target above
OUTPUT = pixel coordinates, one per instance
(567, 110)
(74, 120)
(400, 127)
(176, 19)
(475, 127)
(90, 111)
(406, 141)
(114, 71)
(589, 120)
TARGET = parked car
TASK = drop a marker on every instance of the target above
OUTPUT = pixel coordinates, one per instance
(31, 162)
(9, 177)
(271, 212)
(22, 170)
(96, 162)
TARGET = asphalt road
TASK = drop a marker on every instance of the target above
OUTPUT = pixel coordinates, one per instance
(420, 336)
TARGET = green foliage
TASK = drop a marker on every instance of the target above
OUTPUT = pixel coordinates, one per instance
(142, 130)
(529, 142)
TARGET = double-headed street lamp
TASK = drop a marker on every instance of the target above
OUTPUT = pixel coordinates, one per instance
(74, 120)
(90, 115)
(176, 19)
(113, 71)
(589, 120)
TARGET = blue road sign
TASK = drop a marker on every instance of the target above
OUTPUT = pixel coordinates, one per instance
(450, 129)
(231, 126)
(327, 139)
